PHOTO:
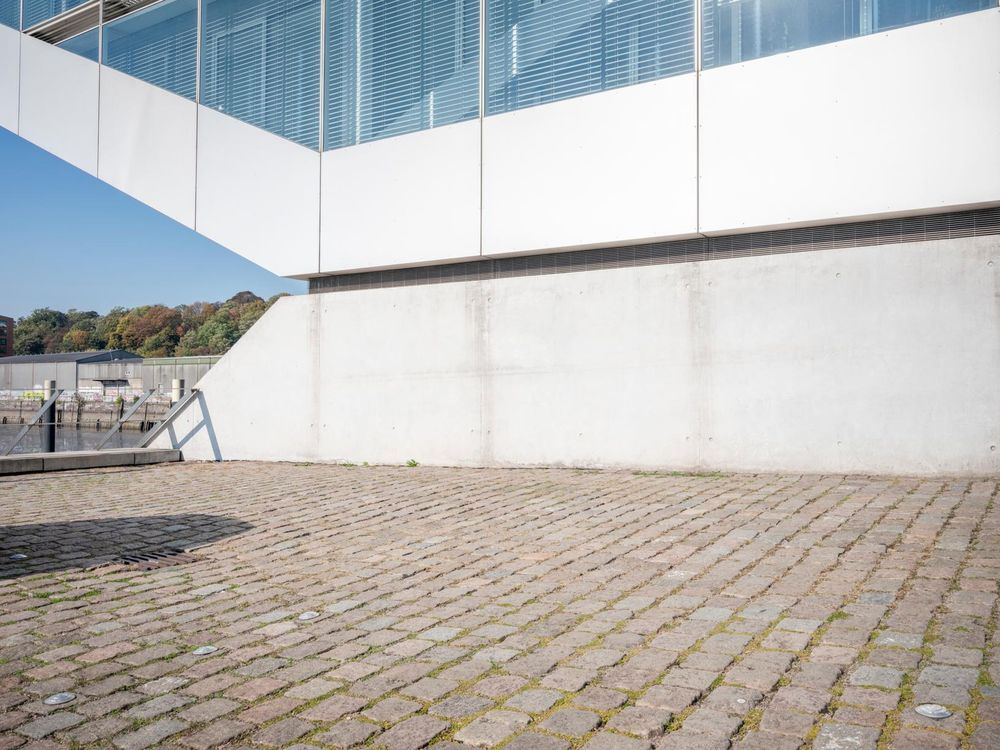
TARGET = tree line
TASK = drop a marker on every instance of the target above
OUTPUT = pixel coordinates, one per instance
(150, 330)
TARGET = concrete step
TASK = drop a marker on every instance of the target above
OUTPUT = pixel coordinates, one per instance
(31, 463)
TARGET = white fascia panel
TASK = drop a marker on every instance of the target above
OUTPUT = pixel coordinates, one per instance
(258, 194)
(59, 102)
(148, 142)
(10, 72)
(608, 168)
(405, 200)
(894, 123)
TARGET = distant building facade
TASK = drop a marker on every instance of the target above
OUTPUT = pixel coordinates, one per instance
(104, 373)
(6, 336)
(29, 372)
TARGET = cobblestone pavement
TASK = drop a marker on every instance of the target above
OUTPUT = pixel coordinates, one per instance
(527, 609)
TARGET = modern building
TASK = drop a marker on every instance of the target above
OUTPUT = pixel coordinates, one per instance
(727, 234)
(6, 336)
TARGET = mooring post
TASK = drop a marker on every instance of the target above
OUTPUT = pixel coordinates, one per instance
(48, 439)
(176, 391)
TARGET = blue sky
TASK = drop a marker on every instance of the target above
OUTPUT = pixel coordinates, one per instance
(68, 240)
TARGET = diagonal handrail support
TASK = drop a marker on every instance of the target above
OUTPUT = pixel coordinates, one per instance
(170, 416)
(34, 420)
(125, 418)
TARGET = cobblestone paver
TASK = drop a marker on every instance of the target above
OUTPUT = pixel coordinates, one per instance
(524, 609)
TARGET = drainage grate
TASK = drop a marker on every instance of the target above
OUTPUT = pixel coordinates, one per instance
(164, 558)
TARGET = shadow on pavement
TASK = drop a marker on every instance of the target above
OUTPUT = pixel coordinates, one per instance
(64, 545)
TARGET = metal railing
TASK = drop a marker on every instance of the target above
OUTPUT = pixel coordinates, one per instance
(85, 434)
(125, 418)
(164, 423)
(47, 411)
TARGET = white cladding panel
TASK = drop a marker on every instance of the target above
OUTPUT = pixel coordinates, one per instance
(409, 199)
(899, 122)
(258, 194)
(608, 168)
(148, 141)
(10, 66)
(59, 102)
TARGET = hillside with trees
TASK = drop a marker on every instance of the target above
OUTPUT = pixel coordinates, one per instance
(151, 330)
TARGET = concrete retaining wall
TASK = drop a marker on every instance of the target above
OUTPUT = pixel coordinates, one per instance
(880, 359)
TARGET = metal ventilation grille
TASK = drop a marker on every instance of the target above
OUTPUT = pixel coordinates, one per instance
(859, 234)
(117, 8)
(36, 12)
(69, 24)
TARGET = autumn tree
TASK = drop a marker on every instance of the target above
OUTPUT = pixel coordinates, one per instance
(40, 332)
(201, 328)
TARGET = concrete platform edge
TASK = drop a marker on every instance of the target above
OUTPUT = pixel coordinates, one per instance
(33, 463)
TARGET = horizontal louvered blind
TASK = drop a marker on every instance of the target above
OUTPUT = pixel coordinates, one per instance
(86, 44)
(398, 66)
(889, 14)
(10, 13)
(738, 30)
(733, 31)
(36, 11)
(546, 50)
(260, 64)
(157, 44)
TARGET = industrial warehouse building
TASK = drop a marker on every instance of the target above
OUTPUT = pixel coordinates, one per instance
(729, 234)
(113, 372)
(70, 370)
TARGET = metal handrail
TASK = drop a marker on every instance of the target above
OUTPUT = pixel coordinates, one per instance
(31, 423)
(125, 418)
(170, 416)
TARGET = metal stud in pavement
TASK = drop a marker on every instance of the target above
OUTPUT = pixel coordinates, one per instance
(933, 711)
(59, 699)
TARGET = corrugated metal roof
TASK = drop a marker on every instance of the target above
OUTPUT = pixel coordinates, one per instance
(78, 357)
